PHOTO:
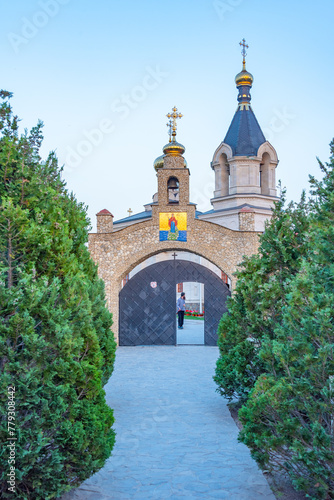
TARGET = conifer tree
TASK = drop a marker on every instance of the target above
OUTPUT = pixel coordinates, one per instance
(288, 419)
(56, 346)
(260, 295)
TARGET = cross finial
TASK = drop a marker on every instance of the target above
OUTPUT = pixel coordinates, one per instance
(243, 52)
(170, 129)
(130, 212)
(172, 121)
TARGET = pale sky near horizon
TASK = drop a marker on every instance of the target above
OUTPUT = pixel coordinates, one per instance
(103, 75)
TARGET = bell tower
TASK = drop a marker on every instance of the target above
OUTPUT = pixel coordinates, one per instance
(244, 165)
(173, 174)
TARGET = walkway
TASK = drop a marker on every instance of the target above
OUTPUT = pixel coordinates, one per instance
(175, 436)
(192, 333)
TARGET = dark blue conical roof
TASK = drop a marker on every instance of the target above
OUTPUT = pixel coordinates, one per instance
(244, 135)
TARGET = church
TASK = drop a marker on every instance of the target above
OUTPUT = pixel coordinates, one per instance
(144, 257)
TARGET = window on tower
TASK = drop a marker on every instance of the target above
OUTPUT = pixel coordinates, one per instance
(173, 190)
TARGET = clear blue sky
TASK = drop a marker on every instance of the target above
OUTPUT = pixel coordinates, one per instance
(71, 63)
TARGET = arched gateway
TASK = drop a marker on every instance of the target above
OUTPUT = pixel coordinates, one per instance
(244, 166)
(147, 303)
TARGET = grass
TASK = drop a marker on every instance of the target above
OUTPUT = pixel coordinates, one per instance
(197, 318)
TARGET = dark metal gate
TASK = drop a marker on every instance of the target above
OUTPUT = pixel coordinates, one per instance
(148, 303)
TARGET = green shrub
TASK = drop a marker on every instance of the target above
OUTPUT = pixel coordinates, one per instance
(277, 343)
(256, 307)
(288, 419)
(56, 347)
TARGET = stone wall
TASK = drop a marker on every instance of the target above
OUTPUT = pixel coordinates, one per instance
(246, 220)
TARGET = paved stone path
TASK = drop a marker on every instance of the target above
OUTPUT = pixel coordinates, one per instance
(192, 333)
(175, 436)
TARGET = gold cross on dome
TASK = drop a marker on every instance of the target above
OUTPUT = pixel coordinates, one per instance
(243, 52)
(170, 129)
(173, 117)
(130, 212)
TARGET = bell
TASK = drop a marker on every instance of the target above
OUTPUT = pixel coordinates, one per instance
(173, 183)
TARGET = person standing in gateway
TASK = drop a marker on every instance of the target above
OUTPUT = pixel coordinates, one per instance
(181, 307)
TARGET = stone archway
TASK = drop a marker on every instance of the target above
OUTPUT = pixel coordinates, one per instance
(148, 300)
(118, 252)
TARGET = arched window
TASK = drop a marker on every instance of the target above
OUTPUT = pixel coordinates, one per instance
(264, 180)
(224, 180)
(173, 190)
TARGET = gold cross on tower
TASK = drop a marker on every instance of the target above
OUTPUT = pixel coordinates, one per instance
(243, 52)
(170, 129)
(173, 123)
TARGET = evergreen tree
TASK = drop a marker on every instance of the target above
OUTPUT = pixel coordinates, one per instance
(260, 295)
(288, 419)
(56, 345)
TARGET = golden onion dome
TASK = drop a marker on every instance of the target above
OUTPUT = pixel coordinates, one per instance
(158, 162)
(244, 78)
(174, 148)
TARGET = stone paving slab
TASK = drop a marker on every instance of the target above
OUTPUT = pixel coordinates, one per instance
(192, 333)
(175, 435)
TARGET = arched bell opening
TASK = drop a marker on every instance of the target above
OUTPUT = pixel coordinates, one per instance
(173, 190)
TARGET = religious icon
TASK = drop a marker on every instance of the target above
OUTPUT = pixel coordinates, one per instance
(173, 226)
(172, 222)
